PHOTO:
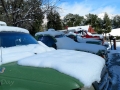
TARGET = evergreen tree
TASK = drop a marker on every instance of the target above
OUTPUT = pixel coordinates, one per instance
(73, 20)
(54, 20)
(106, 26)
(69, 20)
(91, 19)
(116, 22)
(94, 21)
(99, 26)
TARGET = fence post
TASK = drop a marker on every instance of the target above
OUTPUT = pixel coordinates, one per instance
(114, 43)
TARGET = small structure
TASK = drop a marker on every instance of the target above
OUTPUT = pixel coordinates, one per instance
(87, 28)
(3, 23)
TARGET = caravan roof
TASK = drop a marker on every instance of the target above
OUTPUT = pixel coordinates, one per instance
(77, 28)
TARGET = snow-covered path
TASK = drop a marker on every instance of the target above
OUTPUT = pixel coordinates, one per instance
(114, 70)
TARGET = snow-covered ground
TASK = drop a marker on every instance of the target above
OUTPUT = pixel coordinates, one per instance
(114, 66)
(111, 52)
(117, 48)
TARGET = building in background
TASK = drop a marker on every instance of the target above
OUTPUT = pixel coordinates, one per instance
(3, 23)
(86, 28)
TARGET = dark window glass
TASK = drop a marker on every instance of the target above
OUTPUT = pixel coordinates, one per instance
(59, 36)
(47, 40)
(9, 39)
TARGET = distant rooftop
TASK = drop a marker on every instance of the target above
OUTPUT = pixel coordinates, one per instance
(77, 28)
(2, 23)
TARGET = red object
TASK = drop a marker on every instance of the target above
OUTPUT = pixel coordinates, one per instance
(66, 27)
(86, 35)
(89, 36)
(91, 30)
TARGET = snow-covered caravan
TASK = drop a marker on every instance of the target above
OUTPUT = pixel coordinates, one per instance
(2, 23)
(87, 28)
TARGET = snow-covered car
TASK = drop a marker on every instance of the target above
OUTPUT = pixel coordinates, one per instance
(64, 42)
(78, 38)
(26, 64)
(48, 40)
(86, 34)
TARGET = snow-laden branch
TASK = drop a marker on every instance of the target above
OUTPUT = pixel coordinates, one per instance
(23, 21)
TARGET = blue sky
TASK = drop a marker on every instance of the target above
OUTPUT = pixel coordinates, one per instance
(83, 7)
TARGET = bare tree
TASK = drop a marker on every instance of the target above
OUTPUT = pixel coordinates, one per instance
(25, 13)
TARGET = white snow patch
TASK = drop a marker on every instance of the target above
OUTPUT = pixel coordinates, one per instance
(51, 32)
(115, 32)
(68, 43)
(2, 23)
(78, 28)
(13, 29)
(18, 52)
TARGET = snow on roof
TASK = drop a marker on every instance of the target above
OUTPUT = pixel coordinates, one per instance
(115, 32)
(77, 28)
(51, 32)
(65, 60)
(71, 33)
(73, 28)
(101, 15)
(85, 27)
(2, 23)
(14, 29)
